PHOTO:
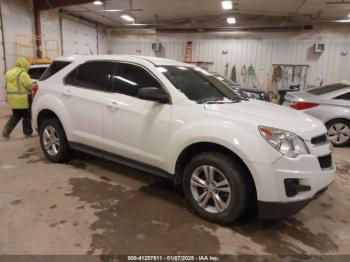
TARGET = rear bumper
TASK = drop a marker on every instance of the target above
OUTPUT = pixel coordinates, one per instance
(278, 210)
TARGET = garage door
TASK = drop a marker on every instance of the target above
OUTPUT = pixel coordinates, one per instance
(78, 38)
(2, 70)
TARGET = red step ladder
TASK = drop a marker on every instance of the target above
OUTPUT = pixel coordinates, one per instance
(188, 52)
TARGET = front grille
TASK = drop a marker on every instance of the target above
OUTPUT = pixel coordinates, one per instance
(325, 161)
(319, 140)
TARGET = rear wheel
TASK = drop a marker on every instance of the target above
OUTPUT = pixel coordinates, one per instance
(215, 187)
(53, 140)
(339, 132)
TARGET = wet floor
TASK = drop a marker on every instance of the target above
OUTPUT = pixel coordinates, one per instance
(92, 206)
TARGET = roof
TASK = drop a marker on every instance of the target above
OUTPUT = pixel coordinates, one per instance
(69, 58)
(154, 60)
(163, 61)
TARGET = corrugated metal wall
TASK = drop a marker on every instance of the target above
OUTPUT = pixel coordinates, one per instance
(17, 19)
(262, 54)
(78, 38)
(2, 68)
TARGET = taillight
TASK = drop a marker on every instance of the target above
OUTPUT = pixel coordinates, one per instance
(35, 88)
(302, 105)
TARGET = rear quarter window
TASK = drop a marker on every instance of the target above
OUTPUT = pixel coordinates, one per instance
(37, 72)
(53, 69)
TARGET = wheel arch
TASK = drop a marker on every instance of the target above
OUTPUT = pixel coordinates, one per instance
(338, 118)
(194, 149)
(44, 114)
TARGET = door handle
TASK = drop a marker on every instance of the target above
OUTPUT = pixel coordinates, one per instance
(113, 105)
(67, 94)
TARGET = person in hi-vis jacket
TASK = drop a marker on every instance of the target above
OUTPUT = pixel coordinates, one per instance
(19, 95)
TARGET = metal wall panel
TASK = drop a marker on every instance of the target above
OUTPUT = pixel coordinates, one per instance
(331, 65)
(78, 38)
(2, 67)
(17, 19)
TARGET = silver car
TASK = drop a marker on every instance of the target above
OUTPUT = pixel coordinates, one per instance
(331, 104)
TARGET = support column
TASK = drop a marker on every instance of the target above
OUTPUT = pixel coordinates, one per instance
(37, 28)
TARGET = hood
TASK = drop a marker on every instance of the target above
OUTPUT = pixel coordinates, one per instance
(260, 113)
(22, 63)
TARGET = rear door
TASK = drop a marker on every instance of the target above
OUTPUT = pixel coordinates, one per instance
(86, 90)
(135, 128)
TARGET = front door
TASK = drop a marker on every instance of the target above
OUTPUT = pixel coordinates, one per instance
(136, 128)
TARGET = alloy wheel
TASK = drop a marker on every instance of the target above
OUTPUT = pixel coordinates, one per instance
(210, 189)
(51, 140)
(339, 133)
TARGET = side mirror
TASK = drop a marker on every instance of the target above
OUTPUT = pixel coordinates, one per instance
(153, 94)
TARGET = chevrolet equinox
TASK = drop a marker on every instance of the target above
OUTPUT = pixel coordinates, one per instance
(177, 121)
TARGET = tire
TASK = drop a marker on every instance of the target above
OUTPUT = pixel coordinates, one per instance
(59, 151)
(224, 168)
(339, 132)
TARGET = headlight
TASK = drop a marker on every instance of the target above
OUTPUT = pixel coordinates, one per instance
(285, 142)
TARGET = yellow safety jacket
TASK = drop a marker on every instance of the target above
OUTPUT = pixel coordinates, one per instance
(19, 85)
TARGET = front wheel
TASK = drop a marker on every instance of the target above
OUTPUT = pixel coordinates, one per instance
(339, 132)
(53, 140)
(215, 187)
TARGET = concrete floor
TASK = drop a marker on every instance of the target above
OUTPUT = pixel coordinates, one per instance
(91, 206)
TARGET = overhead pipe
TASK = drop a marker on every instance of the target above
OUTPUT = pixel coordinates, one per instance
(233, 29)
(51, 4)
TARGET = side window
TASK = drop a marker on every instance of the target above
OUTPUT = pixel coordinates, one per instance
(345, 96)
(70, 78)
(129, 78)
(94, 75)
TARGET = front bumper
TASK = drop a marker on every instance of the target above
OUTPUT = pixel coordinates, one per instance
(274, 200)
(278, 210)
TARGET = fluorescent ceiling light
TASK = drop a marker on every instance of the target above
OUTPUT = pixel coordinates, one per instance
(125, 80)
(343, 21)
(112, 10)
(98, 3)
(227, 5)
(231, 20)
(127, 18)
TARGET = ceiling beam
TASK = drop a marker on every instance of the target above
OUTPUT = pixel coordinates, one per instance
(40, 5)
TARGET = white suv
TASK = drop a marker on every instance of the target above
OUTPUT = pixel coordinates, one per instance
(178, 121)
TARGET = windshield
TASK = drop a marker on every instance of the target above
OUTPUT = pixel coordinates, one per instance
(225, 80)
(198, 85)
(327, 89)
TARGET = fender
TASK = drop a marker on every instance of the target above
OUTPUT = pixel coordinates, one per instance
(243, 144)
(46, 101)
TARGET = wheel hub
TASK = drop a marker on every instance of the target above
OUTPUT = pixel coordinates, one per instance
(51, 140)
(210, 189)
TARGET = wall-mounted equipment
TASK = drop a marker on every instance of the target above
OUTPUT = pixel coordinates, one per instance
(156, 47)
(319, 48)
